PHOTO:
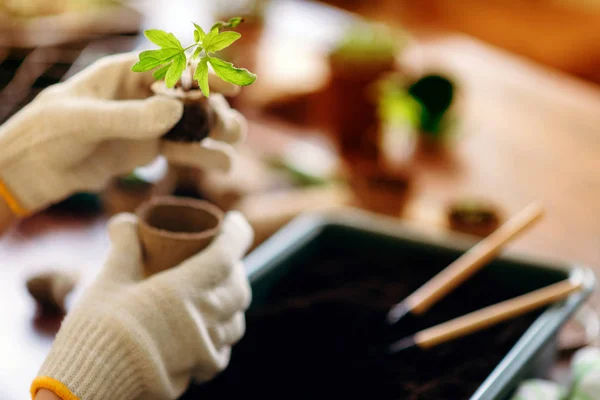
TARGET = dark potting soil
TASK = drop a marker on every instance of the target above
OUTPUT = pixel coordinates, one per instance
(309, 340)
(194, 125)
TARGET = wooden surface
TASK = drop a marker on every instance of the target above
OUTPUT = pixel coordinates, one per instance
(561, 34)
(528, 134)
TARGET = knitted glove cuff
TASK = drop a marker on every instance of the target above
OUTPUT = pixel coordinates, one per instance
(93, 362)
(56, 387)
(13, 203)
(31, 187)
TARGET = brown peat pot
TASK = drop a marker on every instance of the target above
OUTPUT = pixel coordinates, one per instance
(475, 217)
(172, 229)
(380, 189)
(195, 125)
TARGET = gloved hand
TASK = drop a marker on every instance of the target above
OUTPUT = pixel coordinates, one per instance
(130, 337)
(101, 123)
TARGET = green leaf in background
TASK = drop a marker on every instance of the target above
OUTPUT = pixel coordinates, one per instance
(201, 75)
(435, 93)
(175, 71)
(199, 33)
(228, 72)
(163, 39)
(161, 72)
(367, 43)
(232, 23)
(397, 108)
(221, 41)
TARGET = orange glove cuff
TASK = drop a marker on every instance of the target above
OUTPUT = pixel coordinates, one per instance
(12, 202)
(58, 388)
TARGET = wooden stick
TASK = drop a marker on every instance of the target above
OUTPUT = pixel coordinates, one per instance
(492, 315)
(471, 261)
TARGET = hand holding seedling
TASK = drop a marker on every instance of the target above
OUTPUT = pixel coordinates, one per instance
(172, 59)
(207, 120)
(101, 123)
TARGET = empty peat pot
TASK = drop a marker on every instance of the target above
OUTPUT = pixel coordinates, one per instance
(473, 216)
(380, 189)
(172, 229)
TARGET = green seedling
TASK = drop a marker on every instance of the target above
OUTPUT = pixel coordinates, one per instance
(172, 59)
(435, 93)
(424, 104)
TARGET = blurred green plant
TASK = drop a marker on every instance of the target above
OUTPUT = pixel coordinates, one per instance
(396, 106)
(423, 105)
(306, 164)
(297, 175)
(368, 42)
(253, 10)
(435, 94)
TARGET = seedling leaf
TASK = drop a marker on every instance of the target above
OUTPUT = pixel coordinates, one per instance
(232, 23)
(230, 73)
(208, 39)
(146, 64)
(175, 71)
(201, 75)
(199, 33)
(221, 41)
(170, 60)
(161, 72)
(161, 54)
(163, 39)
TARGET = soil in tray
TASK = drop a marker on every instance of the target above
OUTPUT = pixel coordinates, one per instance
(300, 345)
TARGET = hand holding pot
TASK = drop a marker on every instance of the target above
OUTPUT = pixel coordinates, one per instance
(101, 123)
(130, 337)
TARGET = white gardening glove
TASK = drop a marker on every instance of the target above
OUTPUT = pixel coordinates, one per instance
(101, 123)
(215, 151)
(130, 338)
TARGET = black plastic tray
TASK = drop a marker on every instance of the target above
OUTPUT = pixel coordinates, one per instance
(285, 252)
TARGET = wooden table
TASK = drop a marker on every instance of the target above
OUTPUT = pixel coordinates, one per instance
(556, 33)
(528, 134)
